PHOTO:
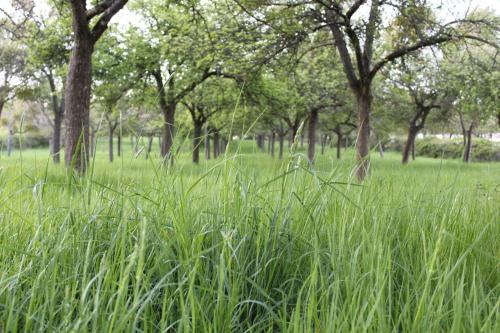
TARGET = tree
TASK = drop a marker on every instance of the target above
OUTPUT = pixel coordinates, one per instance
(179, 54)
(48, 41)
(416, 87)
(473, 82)
(357, 38)
(12, 65)
(88, 27)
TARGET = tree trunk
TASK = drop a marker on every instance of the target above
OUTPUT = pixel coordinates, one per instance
(119, 144)
(110, 142)
(56, 138)
(2, 103)
(167, 108)
(224, 146)
(273, 141)
(207, 143)
(168, 129)
(58, 112)
(381, 149)
(414, 150)
(324, 139)
(150, 146)
(282, 144)
(77, 103)
(216, 144)
(197, 141)
(364, 100)
(339, 145)
(412, 133)
(10, 141)
(136, 146)
(468, 144)
(313, 122)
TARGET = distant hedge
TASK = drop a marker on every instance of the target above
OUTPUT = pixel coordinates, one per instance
(482, 150)
(28, 141)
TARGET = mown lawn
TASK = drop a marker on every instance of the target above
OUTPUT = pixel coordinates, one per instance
(248, 243)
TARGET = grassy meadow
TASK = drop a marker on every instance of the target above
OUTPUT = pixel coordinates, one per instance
(246, 243)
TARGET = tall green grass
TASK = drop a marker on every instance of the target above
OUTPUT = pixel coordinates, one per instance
(249, 244)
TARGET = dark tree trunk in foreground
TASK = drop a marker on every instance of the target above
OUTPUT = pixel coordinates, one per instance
(168, 106)
(197, 141)
(111, 134)
(339, 145)
(410, 142)
(77, 98)
(79, 79)
(168, 130)
(468, 144)
(363, 142)
(150, 146)
(313, 122)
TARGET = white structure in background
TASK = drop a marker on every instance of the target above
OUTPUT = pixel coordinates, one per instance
(494, 137)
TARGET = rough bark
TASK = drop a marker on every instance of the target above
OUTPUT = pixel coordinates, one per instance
(168, 129)
(363, 140)
(78, 81)
(77, 99)
(168, 106)
(313, 122)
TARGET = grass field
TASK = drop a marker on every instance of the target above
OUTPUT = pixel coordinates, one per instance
(249, 244)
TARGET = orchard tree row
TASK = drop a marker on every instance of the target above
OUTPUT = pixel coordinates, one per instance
(325, 70)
